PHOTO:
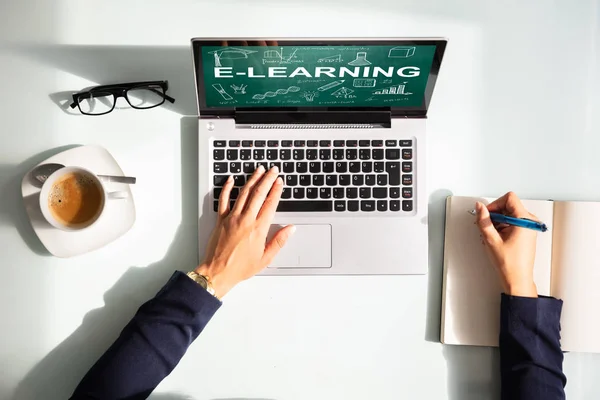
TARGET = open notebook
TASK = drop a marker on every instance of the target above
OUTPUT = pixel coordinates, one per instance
(567, 266)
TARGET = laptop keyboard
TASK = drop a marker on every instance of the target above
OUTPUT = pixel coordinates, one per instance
(369, 176)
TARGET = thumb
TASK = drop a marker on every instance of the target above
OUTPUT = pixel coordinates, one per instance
(277, 243)
(489, 233)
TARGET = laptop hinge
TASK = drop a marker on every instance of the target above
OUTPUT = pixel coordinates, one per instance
(382, 119)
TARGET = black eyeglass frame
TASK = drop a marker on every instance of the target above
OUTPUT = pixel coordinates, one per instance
(120, 90)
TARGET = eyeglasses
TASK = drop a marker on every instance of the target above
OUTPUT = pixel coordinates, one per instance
(101, 100)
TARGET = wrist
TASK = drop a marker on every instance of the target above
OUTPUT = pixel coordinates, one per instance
(528, 289)
(215, 279)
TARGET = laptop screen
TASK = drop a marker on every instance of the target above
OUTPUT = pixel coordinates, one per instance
(298, 75)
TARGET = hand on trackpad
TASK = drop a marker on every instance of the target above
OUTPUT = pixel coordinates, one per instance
(309, 247)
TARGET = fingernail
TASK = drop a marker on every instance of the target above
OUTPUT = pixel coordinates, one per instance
(478, 206)
(274, 169)
(279, 181)
(293, 230)
(260, 168)
(230, 178)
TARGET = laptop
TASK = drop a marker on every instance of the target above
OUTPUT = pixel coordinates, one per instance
(344, 120)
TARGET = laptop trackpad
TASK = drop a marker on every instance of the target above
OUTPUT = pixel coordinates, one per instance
(308, 247)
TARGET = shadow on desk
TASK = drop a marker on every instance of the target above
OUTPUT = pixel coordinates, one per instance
(119, 64)
(57, 375)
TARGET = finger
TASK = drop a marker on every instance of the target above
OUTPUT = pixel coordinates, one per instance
(260, 192)
(490, 235)
(269, 208)
(224, 197)
(271, 43)
(508, 204)
(247, 189)
(277, 243)
(259, 43)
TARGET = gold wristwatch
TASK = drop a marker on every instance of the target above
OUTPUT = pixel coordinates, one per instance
(202, 281)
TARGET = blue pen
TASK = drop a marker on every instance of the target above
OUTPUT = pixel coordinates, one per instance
(520, 222)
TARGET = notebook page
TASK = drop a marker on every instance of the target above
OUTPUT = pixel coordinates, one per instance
(471, 298)
(576, 273)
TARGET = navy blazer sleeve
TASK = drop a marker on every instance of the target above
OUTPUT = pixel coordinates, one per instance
(530, 355)
(151, 344)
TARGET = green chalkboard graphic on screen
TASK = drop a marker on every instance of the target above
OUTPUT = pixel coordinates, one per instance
(313, 76)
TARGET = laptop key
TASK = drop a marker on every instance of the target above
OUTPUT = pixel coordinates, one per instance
(370, 180)
(380, 193)
(286, 143)
(248, 167)
(235, 167)
(341, 167)
(220, 168)
(312, 154)
(288, 167)
(338, 193)
(298, 154)
(271, 154)
(260, 143)
(325, 154)
(377, 143)
(325, 193)
(232, 155)
(338, 154)
(395, 192)
(234, 143)
(235, 192)
(216, 205)
(298, 193)
(393, 170)
(382, 205)
(367, 167)
(305, 206)
(287, 193)
(273, 143)
(392, 154)
(351, 154)
(239, 180)
(318, 180)
(353, 205)
(407, 166)
(264, 165)
(367, 205)
(354, 167)
(391, 143)
(219, 143)
(365, 193)
(219, 180)
(364, 154)
(394, 205)
(291, 180)
(378, 154)
(364, 143)
(258, 155)
(328, 167)
(345, 180)
(219, 155)
(304, 180)
(407, 205)
(275, 164)
(382, 180)
(407, 154)
(301, 167)
(407, 193)
(312, 193)
(246, 143)
(325, 143)
(299, 143)
(338, 143)
(351, 143)
(331, 180)
(312, 143)
(217, 193)
(285, 154)
(339, 205)
(358, 180)
(407, 180)
(405, 143)
(245, 155)
(314, 167)
(352, 193)
(378, 167)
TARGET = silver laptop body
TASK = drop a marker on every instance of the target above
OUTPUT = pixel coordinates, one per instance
(344, 120)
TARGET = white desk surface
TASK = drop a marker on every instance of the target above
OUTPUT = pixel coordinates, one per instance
(516, 107)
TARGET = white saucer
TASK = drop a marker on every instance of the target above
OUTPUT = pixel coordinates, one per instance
(118, 217)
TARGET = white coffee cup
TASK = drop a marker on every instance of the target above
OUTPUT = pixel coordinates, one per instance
(56, 176)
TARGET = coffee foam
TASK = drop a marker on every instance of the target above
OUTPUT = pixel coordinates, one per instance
(69, 200)
(57, 193)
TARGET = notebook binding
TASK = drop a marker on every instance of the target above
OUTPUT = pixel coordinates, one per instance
(311, 126)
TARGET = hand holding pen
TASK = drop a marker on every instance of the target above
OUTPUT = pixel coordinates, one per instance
(510, 248)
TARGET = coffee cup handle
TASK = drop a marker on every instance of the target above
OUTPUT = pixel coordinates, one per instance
(117, 195)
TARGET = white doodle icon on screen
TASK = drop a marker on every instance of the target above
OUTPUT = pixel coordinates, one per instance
(239, 89)
(364, 83)
(401, 52)
(330, 85)
(222, 91)
(330, 59)
(310, 96)
(262, 96)
(229, 53)
(361, 59)
(392, 90)
(278, 56)
(344, 92)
